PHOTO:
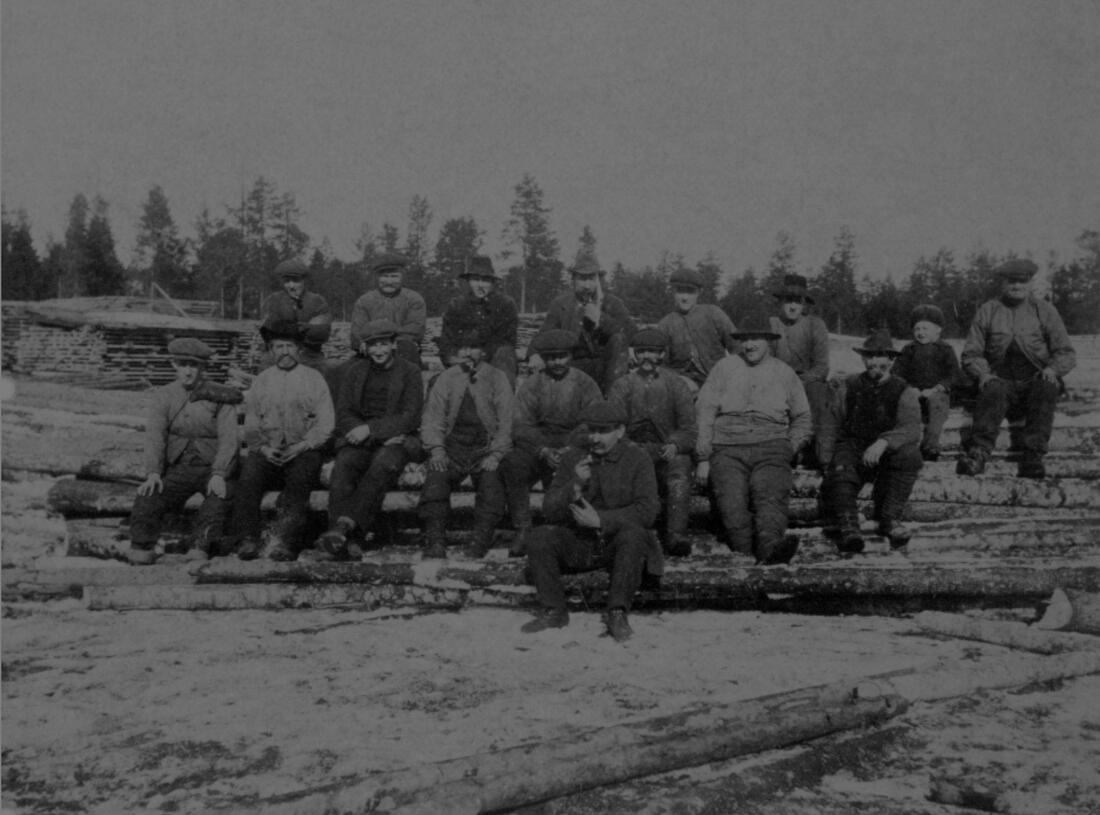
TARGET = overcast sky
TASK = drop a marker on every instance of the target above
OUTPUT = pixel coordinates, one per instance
(686, 126)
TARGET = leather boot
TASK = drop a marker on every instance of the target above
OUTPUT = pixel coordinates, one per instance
(1031, 466)
(676, 540)
(618, 626)
(480, 543)
(972, 462)
(546, 618)
(851, 539)
(895, 531)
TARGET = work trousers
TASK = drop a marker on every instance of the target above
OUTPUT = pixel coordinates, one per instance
(435, 495)
(1032, 399)
(607, 365)
(893, 479)
(361, 477)
(934, 410)
(674, 487)
(820, 397)
(297, 478)
(520, 468)
(555, 550)
(181, 481)
(751, 484)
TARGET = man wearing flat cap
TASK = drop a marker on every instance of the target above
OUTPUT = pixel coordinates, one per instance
(466, 430)
(1017, 352)
(548, 411)
(288, 418)
(378, 409)
(699, 334)
(190, 446)
(804, 345)
(390, 300)
(484, 309)
(600, 510)
(306, 309)
(753, 419)
(600, 321)
(872, 434)
(660, 418)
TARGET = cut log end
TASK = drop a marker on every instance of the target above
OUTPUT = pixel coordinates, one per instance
(1072, 610)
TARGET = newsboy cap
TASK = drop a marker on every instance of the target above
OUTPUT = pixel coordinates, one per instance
(280, 330)
(927, 313)
(190, 348)
(554, 341)
(755, 326)
(878, 344)
(686, 277)
(601, 416)
(390, 262)
(794, 285)
(586, 266)
(478, 266)
(1019, 270)
(653, 338)
(292, 269)
(376, 330)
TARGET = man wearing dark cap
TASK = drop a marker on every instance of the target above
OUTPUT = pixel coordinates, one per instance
(600, 321)
(660, 418)
(930, 365)
(288, 418)
(872, 434)
(378, 411)
(307, 309)
(1018, 352)
(753, 419)
(804, 345)
(600, 510)
(484, 309)
(190, 446)
(699, 334)
(466, 430)
(389, 300)
(548, 410)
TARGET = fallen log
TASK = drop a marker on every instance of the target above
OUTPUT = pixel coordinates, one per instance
(1072, 610)
(998, 632)
(957, 792)
(521, 775)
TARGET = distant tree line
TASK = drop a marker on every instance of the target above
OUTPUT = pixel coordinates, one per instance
(230, 255)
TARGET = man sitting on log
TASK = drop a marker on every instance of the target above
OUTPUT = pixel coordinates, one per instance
(390, 300)
(378, 411)
(466, 430)
(548, 410)
(288, 418)
(872, 434)
(190, 446)
(1017, 351)
(306, 309)
(660, 418)
(753, 419)
(484, 309)
(600, 320)
(699, 333)
(600, 510)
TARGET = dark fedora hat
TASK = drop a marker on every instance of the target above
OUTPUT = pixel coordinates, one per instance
(794, 285)
(755, 326)
(878, 344)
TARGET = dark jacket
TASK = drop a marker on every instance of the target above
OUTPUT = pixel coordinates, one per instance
(925, 366)
(865, 412)
(311, 313)
(548, 410)
(495, 316)
(404, 401)
(565, 312)
(662, 405)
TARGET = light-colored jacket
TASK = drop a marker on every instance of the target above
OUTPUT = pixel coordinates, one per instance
(174, 421)
(493, 399)
(285, 407)
(1037, 328)
(804, 345)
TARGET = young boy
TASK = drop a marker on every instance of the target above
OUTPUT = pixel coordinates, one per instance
(930, 365)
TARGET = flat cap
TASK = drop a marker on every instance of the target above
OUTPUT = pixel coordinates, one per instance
(292, 268)
(554, 341)
(755, 326)
(390, 262)
(190, 348)
(1020, 270)
(686, 277)
(586, 266)
(650, 338)
(479, 266)
(602, 415)
(280, 330)
(376, 330)
(878, 343)
(926, 313)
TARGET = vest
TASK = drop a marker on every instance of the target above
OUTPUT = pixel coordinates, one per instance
(871, 411)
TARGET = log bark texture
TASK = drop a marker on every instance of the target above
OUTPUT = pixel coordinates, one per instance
(1072, 609)
(1008, 634)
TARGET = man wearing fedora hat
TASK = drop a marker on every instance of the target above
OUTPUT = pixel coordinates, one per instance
(190, 446)
(293, 303)
(485, 309)
(660, 418)
(288, 418)
(599, 510)
(804, 345)
(599, 319)
(390, 300)
(548, 409)
(1017, 351)
(872, 434)
(378, 410)
(753, 419)
(699, 334)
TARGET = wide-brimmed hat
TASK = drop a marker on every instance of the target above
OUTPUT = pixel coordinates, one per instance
(554, 341)
(478, 266)
(601, 416)
(292, 269)
(390, 262)
(755, 326)
(280, 330)
(190, 349)
(376, 330)
(1019, 270)
(878, 344)
(649, 338)
(794, 285)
